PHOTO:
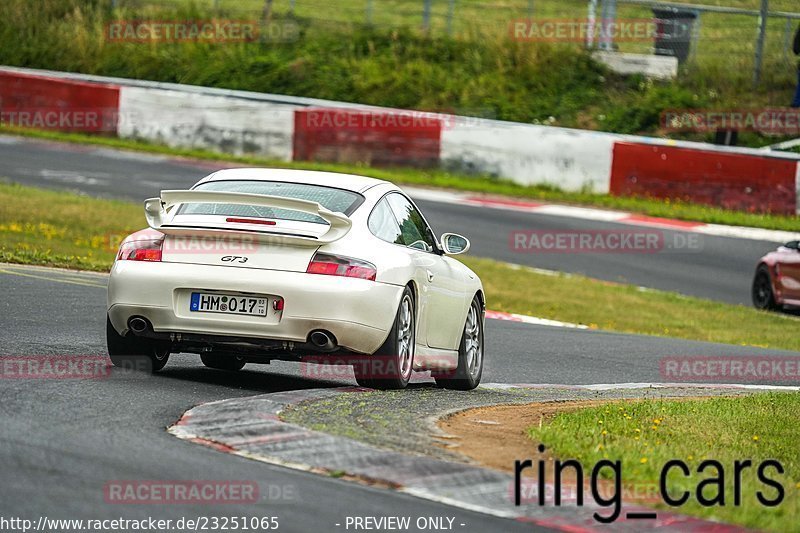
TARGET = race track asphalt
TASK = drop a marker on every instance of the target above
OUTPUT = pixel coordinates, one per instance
(64, 439)
(718, 268)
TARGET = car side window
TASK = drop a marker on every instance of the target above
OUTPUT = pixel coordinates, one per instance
(383, 224)
(414, 231)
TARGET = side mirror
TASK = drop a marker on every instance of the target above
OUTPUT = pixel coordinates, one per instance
(453, 244)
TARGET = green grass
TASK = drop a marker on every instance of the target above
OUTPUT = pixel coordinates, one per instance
(53, 228)
(629, 309)
(43, 227)
(439, 178)
(477, 71)
(644, 435)
(729, 36)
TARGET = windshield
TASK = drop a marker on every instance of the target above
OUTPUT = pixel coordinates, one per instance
(336, 200)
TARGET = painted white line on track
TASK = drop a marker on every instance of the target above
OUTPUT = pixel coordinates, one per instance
(70, 281)
(634, 386)
(599, 215)
(585, 213)
(741, 232)
(525, 319)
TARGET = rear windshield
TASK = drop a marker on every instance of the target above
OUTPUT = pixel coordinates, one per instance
(336, 200)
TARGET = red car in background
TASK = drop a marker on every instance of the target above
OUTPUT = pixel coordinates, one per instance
(777, 280)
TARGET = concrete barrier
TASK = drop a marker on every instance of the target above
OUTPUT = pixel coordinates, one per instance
(218, 123)
(380, 138)
(528, 154)
(741, 181)
(652, 66)
(50, 103)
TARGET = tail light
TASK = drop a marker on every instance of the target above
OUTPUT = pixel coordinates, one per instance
(141, 250)
(334, 265)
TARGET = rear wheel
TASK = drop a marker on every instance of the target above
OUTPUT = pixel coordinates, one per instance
(135, 353)
(470, 353)
(391, 366)
(223, 362)
(763, 297)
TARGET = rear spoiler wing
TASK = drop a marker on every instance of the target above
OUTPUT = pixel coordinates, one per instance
(159, 213)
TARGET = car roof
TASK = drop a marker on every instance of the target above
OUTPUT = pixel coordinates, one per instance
(350, 182)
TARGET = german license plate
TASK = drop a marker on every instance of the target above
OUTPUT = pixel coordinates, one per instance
(230, 304)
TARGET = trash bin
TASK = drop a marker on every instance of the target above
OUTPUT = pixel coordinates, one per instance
(674, 29)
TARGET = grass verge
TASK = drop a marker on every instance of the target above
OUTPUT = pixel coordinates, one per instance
(52, 228)
(43, 227)
(442, 179)
(644, 435)
(666, 314)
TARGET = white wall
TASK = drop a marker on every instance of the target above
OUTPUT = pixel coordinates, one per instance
(797, 188)
(528, 154)
(220, 123)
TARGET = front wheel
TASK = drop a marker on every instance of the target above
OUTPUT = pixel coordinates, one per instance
(134, 353)
(467, 375)
(391, 366)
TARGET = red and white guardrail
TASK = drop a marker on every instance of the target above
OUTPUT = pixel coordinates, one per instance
(291, 128)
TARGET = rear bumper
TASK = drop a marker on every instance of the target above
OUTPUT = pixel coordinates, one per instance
(359, 313)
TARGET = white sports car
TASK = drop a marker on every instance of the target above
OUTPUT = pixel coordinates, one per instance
(252, 265)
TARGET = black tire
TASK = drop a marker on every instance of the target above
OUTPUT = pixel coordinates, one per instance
(392, 365)
(134, 353)
(470, 353)
(762, 294)
(222, 362)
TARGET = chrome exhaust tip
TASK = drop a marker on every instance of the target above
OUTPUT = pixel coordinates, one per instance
(323, 340)
(138, 325)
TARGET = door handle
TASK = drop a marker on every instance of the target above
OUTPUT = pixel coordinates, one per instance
(430, 276)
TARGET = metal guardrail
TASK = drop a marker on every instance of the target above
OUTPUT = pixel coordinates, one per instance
(786, 145)
(744, 41)
(711, 8)
(762, 15)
